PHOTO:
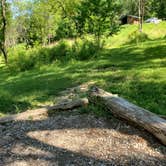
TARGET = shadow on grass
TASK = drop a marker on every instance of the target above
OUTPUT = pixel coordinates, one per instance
(133, 57)
(18, 93)
(12, 106)
(146, 94)
(118, 68)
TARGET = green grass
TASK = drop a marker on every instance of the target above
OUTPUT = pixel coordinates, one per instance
(136, 72)
(154, 31)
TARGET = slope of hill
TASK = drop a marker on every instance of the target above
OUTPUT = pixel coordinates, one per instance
(133, 69)
(128, 32)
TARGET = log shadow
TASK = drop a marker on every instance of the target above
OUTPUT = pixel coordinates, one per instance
(17, 133)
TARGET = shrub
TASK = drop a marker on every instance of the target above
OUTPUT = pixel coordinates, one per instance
(43, 56)
(60, 51)
(84, 50)
(20, 59)
(137, 37)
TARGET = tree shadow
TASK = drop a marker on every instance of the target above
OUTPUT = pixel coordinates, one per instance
(131, 56)
(10, 105)
(17, 94)
(43, 85)
(17, 134)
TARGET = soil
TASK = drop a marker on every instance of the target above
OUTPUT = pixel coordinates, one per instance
(74, 139)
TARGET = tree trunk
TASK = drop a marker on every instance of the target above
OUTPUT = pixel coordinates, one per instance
(141, 14)
(4, 52)
(4, 26)
(130, 112)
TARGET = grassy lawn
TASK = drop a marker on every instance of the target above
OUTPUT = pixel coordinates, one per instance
(136, 72)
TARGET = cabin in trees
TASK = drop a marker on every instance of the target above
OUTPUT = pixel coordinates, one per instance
(129, 19)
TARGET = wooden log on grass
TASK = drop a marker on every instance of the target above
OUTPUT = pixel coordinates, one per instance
(130, 112)
(30, 114)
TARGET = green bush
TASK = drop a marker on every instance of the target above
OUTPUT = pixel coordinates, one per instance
(84, 50)
(66, 29)
(137, 37)
(43, 56)
(21, 59)
(60, 51)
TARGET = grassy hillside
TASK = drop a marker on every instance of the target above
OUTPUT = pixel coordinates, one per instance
(154, 31)
(136, 71)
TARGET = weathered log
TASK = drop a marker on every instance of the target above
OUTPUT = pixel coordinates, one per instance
(130, 112)
(162, 116)
(69, 104)
(30, 114)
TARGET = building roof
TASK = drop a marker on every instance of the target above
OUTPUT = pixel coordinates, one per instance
(123, 16)
(133, 16)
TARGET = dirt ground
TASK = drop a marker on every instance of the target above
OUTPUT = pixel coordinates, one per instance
(71, 139)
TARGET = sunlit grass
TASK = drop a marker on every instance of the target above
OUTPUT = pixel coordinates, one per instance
(154, 31)
(135, 72)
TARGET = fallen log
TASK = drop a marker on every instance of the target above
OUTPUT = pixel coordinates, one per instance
(69, 104)
(130, 112)
(30, 114)
(162, 116)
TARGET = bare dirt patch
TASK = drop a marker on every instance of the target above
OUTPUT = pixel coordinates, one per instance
(70, 138)
(74, 139)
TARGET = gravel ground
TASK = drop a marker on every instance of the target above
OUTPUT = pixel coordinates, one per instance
(73, 139)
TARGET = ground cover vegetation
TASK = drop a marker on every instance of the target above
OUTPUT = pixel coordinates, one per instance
(54, 45)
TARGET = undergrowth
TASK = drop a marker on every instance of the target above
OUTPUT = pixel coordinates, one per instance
(21, 59)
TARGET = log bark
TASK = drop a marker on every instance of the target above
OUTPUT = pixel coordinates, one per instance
(69, 105)
(162, 116)
(130, 112)
(30, 114)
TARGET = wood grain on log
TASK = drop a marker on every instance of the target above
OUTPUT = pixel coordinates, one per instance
(44, 111)
(162, 116)
(130, 112)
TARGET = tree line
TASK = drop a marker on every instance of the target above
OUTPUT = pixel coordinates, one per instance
(41, 22)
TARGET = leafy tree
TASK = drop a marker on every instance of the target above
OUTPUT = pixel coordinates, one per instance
(43, 21)
(129, 7)
(67, 26)
(40, 24)
(159, 7)
(98, 17)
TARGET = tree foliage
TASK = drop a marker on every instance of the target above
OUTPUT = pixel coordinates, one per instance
(40, 22)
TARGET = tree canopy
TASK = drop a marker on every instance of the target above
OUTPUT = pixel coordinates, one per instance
(40, 22)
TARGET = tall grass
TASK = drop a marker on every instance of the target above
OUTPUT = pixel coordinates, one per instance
(21, 59)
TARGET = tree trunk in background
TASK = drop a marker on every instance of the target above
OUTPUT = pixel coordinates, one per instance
(141, 14)
(4, 52)
(4, 27)
(123, 109)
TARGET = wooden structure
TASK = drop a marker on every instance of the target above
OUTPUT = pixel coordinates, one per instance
(129, 19)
